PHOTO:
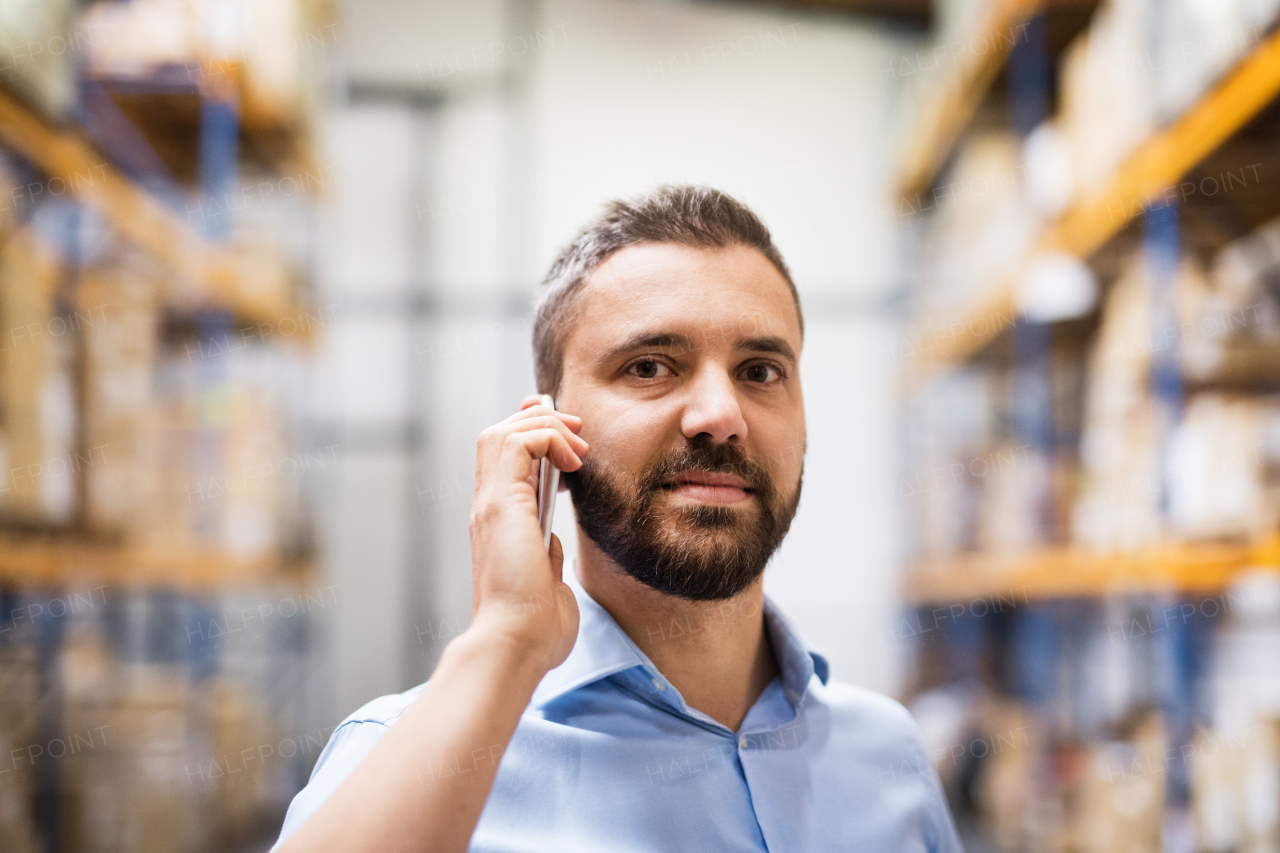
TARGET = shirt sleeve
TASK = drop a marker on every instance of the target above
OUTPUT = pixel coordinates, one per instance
(347, 747)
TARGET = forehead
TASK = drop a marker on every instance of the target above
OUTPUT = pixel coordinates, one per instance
(731, 292)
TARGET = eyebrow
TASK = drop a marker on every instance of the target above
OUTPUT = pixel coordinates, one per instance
(774, 345)
(663, 341)
(649, 341)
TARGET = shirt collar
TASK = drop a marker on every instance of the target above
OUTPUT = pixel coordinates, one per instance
(603, 649)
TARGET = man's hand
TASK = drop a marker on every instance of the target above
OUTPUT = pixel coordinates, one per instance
(517, 591)
(525, 622)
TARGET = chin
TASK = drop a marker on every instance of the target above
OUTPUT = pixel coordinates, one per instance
(708, 519)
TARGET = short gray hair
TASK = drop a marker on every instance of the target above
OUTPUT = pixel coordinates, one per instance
(697, 216)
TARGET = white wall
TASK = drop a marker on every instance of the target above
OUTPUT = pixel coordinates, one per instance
(614, 97)
(639, 94)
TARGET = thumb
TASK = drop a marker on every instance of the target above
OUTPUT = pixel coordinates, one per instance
(556, 553)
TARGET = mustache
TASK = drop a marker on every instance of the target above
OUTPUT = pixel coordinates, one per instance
(699, 455)
(702, 455)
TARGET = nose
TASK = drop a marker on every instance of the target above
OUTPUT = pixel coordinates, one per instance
(712, 408)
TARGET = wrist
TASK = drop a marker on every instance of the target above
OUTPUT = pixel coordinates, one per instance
(481, 645)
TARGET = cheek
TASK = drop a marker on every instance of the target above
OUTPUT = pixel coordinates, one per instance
(630, 436)
(783, 454)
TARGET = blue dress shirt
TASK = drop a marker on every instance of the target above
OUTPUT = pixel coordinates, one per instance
(609, 757)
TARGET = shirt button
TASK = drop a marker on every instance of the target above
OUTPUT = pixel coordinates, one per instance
(742, 741)
(658, 685)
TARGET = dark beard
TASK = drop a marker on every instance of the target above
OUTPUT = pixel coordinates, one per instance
(720, 551)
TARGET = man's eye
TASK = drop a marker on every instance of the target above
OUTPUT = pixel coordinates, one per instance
(762, 373)
(649, 369)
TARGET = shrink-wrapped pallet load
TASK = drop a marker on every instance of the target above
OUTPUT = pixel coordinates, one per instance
(39, 456)
(1119, 502)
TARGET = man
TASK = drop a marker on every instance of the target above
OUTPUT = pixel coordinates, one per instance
(661, 702)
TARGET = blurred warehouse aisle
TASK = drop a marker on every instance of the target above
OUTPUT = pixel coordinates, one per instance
(1091, 424)
(265, 273)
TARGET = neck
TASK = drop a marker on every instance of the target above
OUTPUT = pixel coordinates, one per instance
(716, 653)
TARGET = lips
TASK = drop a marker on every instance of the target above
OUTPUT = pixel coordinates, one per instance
(709, 487)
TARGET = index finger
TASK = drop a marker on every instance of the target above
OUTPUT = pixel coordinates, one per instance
(573, 421)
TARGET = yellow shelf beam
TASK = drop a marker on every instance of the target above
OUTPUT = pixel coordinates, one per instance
(45, 561)
(1196, 568)
(1150, 172)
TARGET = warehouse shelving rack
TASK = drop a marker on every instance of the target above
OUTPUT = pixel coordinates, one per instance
(947, 112)
(1151, 170)
(214, 287)
(1083, 230)
(150, 609)
(164, 106)
(139, 217)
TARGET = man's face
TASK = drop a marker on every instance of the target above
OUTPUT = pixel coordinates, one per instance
(682, 364)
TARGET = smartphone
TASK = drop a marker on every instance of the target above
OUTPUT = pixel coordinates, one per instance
(548, 485)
